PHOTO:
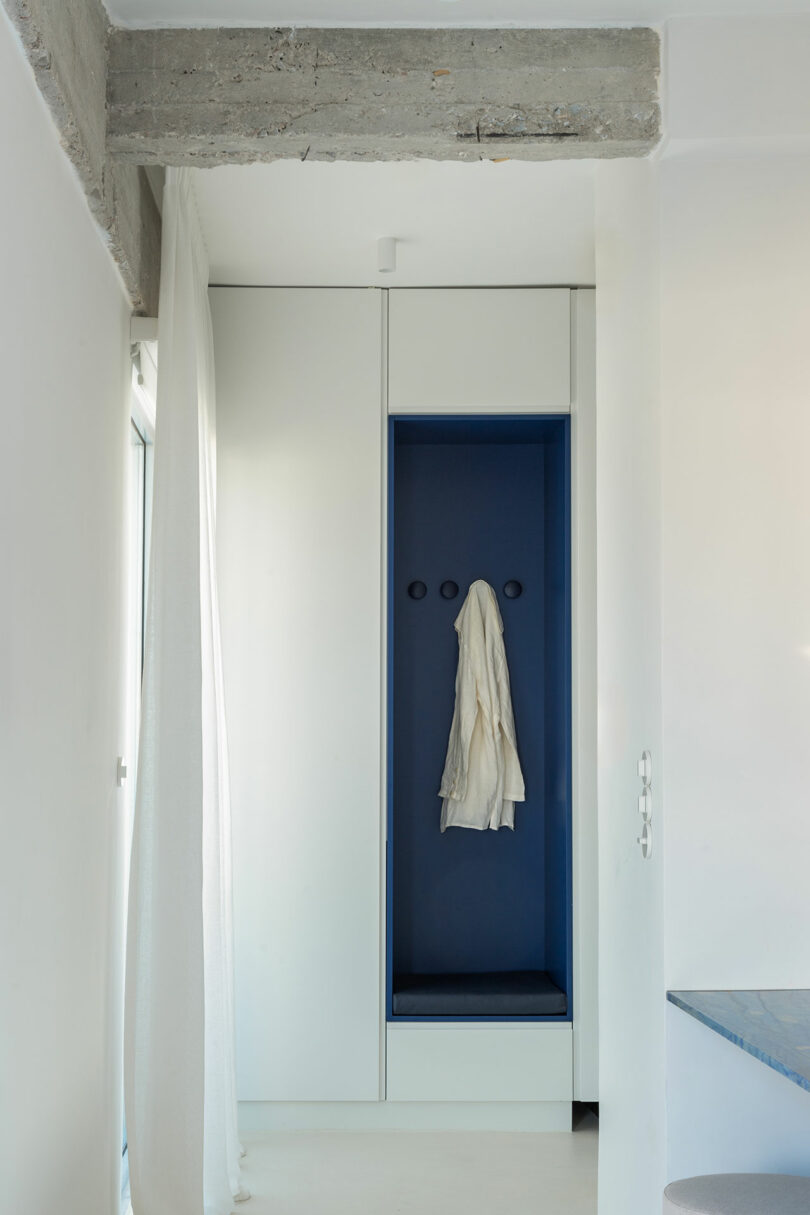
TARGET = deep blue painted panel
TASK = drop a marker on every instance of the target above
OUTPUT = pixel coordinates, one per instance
(389, 736)
(479, 498)
(557, 693)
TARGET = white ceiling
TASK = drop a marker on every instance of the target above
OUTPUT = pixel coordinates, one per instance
(317, 224)
(420, 13)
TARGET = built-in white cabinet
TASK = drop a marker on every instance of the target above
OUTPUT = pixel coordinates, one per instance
(462, 350)
(479, 1062)
(299, 436)
(305, 378)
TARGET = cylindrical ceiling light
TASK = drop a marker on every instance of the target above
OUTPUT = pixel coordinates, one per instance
(386, 254)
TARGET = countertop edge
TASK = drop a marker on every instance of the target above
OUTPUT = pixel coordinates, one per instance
(681, 1000)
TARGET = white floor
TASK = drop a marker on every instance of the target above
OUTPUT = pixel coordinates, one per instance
(409, 1172)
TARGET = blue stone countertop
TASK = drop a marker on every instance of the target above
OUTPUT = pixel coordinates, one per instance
(773, 1026)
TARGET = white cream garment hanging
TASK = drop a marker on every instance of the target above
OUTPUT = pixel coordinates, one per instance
(482, 777)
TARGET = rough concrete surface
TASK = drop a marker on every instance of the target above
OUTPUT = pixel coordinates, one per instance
(124, 99)
(66, 44)
(208, 96)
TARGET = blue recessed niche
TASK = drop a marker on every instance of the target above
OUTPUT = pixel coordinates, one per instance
(479, 922)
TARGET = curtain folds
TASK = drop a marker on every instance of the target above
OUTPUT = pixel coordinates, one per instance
(179, 1053)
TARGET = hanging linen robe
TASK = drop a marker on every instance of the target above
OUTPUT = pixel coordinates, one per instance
(482, 777)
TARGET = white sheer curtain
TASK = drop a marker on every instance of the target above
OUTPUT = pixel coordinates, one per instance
(180, 1088)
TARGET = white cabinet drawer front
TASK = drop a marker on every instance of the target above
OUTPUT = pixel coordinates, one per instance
(479, 1063)
(504, 350)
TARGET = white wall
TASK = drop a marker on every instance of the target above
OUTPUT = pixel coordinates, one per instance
(736, 362)
(735, 261)
(631, 982)
(63, 351)
(733, 78)
(473, 225)
(727, 1112)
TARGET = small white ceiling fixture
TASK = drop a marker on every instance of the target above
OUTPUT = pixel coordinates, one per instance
(387, 254)
(493, 14)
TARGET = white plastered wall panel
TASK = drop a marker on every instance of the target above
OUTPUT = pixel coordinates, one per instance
(735, 260)
(736, 428)
(299, 436)
(632, 1142)
(736, 581)
(64, 351)
(736, 611)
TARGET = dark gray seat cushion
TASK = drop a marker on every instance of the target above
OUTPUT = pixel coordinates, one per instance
(510, 993)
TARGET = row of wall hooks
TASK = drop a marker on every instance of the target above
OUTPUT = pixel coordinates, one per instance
(449, 589)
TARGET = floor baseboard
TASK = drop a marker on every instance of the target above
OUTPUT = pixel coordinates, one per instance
(404, 1116)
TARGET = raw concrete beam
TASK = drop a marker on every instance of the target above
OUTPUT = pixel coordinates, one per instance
(66, 44)
(216, 96)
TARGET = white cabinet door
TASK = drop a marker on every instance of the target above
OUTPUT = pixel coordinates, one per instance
(299, 532)
(479, 350)
(484, 1062)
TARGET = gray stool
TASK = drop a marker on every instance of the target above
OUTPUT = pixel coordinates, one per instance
(738, 1194)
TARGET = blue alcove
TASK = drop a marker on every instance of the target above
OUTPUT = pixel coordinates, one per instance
(479, 922)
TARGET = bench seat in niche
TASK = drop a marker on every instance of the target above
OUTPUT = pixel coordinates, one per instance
(513, 993)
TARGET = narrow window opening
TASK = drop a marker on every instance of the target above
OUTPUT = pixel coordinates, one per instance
(138, 518)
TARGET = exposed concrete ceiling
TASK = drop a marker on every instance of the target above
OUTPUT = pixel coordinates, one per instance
(214, 96)
(422, 13)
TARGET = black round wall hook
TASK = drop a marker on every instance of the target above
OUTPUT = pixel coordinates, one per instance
(513, 589)
(417, 590)
(449, 589)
